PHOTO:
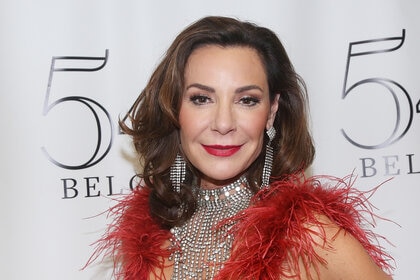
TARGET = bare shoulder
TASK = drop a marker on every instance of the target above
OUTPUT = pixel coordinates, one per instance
(344, 257)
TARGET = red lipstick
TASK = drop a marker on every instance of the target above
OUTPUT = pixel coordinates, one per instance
(221, 150)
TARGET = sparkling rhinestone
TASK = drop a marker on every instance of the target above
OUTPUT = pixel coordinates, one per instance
(199, 245)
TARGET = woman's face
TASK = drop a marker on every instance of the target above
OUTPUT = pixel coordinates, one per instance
(224, 112)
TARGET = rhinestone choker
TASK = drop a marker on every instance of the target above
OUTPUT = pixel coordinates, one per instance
(202, 249)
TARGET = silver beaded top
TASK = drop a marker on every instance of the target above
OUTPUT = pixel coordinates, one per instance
(201, 248)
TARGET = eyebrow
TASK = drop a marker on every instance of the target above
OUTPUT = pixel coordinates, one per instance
(212, 90)
(202, 87)
(246, 88)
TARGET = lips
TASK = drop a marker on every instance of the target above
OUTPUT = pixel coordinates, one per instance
(222, 150)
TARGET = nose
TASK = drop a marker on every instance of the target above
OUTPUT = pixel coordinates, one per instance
(224, 119)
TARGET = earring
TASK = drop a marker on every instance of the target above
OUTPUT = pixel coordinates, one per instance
(268, 161)
(177, 173)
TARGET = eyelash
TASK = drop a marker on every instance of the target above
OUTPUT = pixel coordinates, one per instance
(248, 101)
(200, 99)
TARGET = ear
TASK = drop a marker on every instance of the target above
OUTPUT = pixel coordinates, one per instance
(273, 111)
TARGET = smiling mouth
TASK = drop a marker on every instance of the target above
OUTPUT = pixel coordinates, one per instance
(222, 151)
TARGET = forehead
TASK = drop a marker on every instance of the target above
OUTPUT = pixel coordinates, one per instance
(214, 59)
(214, 49)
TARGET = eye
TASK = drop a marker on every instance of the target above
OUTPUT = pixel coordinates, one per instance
(249, 101)
(200, 99)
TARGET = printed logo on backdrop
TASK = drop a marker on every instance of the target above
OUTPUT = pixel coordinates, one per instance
(382, 110)
(81, 131)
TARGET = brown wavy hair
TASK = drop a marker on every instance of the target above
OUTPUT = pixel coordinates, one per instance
(154, 116)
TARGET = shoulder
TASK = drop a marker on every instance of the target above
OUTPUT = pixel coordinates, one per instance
(343, 256)
(308, 227)
(327, 216)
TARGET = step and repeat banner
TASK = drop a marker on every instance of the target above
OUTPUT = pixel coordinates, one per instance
(71, 69)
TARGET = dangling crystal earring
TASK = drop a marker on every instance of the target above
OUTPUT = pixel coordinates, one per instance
(177, 173)
(268, 162)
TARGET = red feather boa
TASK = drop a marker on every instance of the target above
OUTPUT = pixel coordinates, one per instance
(134, 240)
(270, 236)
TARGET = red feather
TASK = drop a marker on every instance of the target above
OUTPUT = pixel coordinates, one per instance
(270, 236)
(134, 240)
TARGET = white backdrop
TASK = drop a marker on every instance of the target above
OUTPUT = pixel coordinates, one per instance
(47, 209)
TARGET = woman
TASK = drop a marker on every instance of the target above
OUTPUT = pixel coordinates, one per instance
(221, 129)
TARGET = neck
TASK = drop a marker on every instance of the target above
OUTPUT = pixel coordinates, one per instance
(199, 249)
(211, 184)
(224, 194)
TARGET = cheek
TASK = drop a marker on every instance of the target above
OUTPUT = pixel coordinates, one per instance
(184, 125)
(189, 126)
(258, 137)
(255, 125)
(255, 129)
